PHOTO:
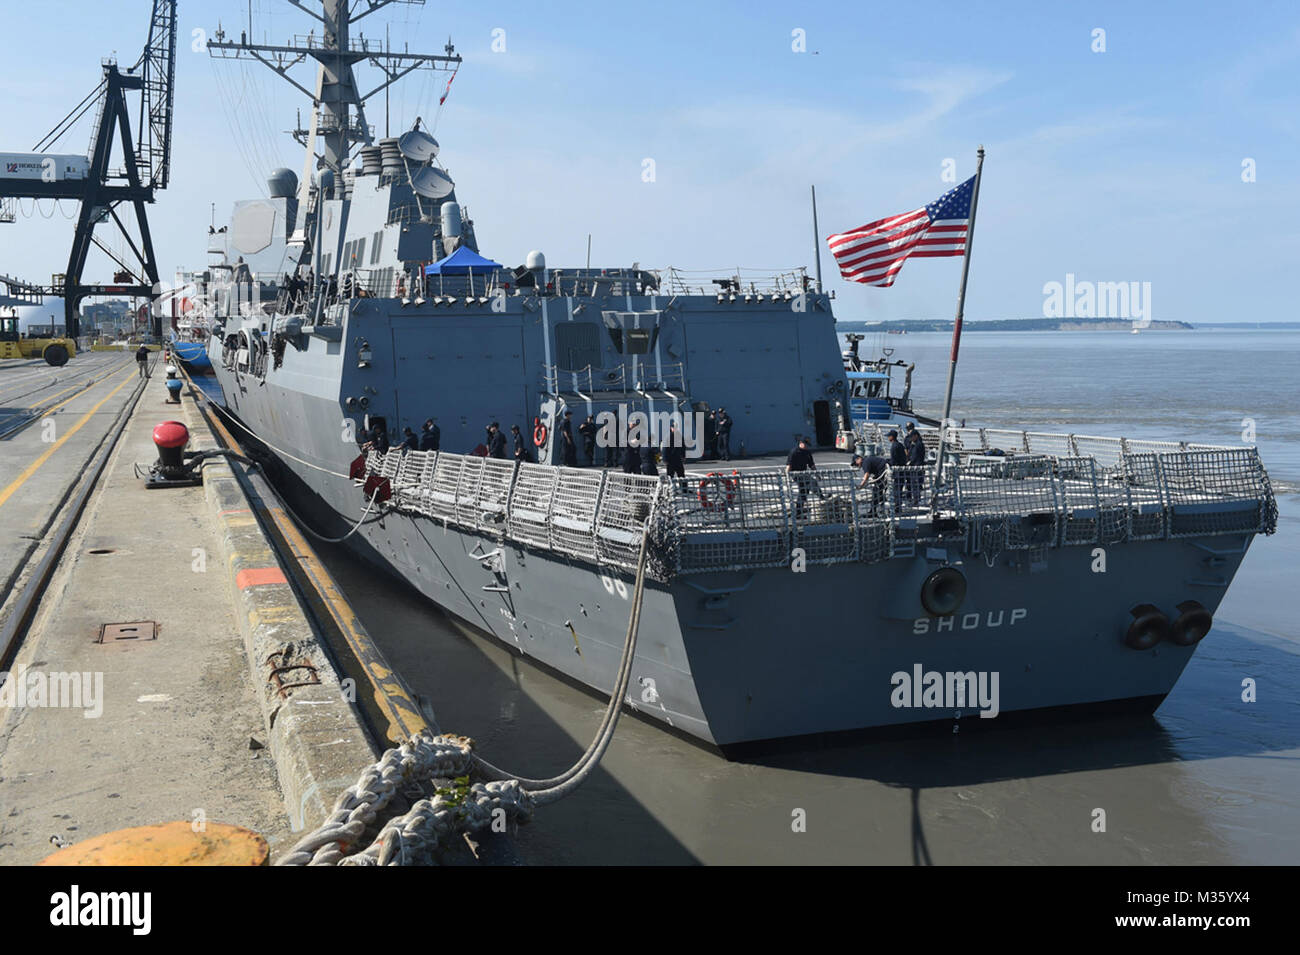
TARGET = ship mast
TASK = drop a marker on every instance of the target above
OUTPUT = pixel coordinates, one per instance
(338, 106)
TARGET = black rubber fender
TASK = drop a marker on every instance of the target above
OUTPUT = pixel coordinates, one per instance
(1148, 628)
(943, 592)
(1191, 625)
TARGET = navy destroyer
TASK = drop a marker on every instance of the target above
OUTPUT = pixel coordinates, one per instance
(1026, 572)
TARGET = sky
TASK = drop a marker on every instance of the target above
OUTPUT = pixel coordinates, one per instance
(1169, 157)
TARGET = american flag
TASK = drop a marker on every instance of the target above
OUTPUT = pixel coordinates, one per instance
(872, 254)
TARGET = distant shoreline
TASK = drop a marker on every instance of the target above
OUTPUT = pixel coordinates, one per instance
(1052, 325)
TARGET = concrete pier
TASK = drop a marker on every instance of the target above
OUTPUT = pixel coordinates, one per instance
(174, 715)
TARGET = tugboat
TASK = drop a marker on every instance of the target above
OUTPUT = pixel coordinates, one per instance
(356, 318)
(869, 384)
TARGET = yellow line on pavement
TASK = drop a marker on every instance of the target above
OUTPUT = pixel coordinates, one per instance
(82, 387)
(35, 465)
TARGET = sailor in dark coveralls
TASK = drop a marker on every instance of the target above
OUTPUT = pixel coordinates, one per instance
(612, 453)
(800, 465)
(429, 436)
(632, 457)
(723, 425)
(915, 458)
(496, 442)
(674, 453)
(588, 431)
(648, 466)
(409, 441)
(379, 437)
(873, 471)
(521, 448)
(897, 459)
(566, 437)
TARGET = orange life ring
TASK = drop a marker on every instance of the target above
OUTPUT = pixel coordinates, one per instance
(539, 432)
(725, 484)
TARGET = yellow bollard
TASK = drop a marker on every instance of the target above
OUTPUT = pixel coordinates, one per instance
(172, 843)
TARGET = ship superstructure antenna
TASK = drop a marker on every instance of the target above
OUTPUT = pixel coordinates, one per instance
(338, 114)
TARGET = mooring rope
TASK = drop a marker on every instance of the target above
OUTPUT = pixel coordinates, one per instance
(548, 790)
(303, 524)
(463, 807)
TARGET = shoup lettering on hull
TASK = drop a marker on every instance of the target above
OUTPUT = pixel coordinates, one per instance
(969, 621)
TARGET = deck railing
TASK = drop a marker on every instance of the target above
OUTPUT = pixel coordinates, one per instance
(668, 376)
(767, 517)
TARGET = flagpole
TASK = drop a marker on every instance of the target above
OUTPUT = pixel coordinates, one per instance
(817, 242)
(956, 327)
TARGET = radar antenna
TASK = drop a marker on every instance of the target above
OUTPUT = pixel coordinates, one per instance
(338, 114)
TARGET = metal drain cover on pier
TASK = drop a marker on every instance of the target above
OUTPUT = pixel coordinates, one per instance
(139, 631)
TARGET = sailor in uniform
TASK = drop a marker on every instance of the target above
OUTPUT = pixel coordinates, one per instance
(632, 457)
(873, 472)
(915, 458)
(674, 453)
(897, 459)
(569, 449)
(496, 442)
(800, 465)
(429, 436)
(588, 431)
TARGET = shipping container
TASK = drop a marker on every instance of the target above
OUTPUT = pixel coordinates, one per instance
(43, 166)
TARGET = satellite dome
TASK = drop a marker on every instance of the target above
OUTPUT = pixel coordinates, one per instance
(283, 184)
(535, 261)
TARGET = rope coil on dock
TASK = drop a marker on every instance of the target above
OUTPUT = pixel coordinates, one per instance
(431, 823)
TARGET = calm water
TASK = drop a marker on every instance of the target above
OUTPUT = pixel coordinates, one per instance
(1173, 385)
(1209, 780)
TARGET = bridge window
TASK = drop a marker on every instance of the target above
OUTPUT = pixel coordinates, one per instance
(637, 341)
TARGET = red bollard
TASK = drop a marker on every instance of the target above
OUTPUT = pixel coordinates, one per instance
(171, 437)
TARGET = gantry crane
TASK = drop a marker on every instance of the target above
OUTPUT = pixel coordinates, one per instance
(99, 186)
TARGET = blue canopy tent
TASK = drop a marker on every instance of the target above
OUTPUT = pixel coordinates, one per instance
(460, 262)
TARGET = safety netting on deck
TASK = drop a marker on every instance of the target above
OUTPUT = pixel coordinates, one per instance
(999, 491)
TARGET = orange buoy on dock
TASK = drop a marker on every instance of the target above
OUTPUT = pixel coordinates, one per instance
(168, 844)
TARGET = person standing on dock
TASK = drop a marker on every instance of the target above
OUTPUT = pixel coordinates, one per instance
(430, 436)
(588, 431)
(569, 448)
(142, 360)
(800, 465)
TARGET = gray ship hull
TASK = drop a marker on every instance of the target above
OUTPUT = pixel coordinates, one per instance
(745, 656)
